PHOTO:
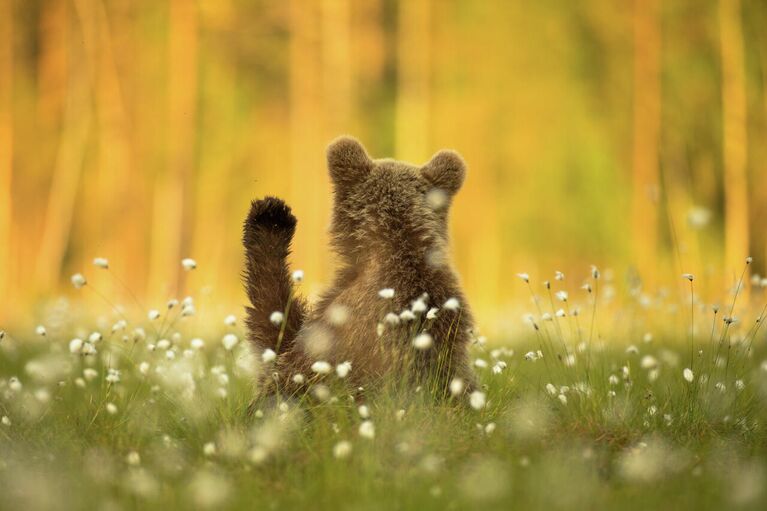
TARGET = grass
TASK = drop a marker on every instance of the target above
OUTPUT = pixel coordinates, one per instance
(604, 419)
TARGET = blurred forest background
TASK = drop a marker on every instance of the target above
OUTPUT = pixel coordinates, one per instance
(624, 134)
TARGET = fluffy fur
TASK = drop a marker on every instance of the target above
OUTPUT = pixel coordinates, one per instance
(389, 229)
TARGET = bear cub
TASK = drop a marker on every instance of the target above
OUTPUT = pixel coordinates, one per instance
(395, 306)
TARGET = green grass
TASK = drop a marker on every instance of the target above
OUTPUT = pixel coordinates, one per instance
(642, 441)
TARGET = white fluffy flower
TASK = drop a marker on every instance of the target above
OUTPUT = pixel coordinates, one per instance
(78, 280)
(477, 400)
(562, 399)
(367, 430)
(209, 449)
(343, 369)
(230, 320)
(688, 276)
(386, 293)
(229, 341)
(40, 330)
(423, 341)
(197, 343)
(111, 408)
(456, 386)
(101, 262)
(432, 314)
(188, 264)
(561, 296)
(268, 356)
(298, 276)
(419, 306)
(551, 389)
(524, 276)
(133, 458)
(321, 367)
(76, 345)
(364, 411)
(688, 375)
(276, 318)
(452, 304)
(6, 421)
(342, 449)
(298, 379)
(153, 315)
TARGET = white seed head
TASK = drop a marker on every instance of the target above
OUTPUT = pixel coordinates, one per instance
(561, 296)
(230, 320)
(688, 374)
(524, 276)
(321, 367)
(188, 264)
(41, 331)
(367, 430)
(343, 369)
(364, 411)
(386, 293)
(477, 400)
(456, 386)
(78, 280)
(153, 315)
(298, 276)
(111, 408)
(276, 318)
(268, 356)
(75, 345)
(229, 341)
(101, 262)
(688, 276)
(342, 449)
(432, 313)
(423, 341)
(452, 304)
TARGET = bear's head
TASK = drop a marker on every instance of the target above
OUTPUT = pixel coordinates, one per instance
(386, 203)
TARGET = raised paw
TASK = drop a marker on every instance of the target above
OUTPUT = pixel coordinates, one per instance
(269, 216)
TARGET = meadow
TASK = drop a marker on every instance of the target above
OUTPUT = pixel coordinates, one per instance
(608, 398)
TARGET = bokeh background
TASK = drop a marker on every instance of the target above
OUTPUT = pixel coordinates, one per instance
(625, 134)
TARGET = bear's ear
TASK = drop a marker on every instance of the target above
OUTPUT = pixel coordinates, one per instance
(446, 170)
(348, 162)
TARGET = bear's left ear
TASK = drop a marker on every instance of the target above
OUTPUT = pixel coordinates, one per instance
(348, 162)
(446, 170)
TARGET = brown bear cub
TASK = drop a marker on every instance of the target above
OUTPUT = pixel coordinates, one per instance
(395, 307)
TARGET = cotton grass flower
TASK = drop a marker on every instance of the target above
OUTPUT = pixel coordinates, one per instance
(188, 264)
(432, 313)
(133, 458)
(153, 315)
(343, 369)
(457, 386)
(363, 411)
(524, 276)
(75, 345)
(386, 293)
(477, 400)
(298, 276)
(111, 408)
(688, 375)
(229, 341)
(342, 450)
(688, 276)
(101, 262)
(276, 317)
(230, 320)
(423, 341)
(268, 356)
(41, 331)
(561, 296)
(197, 343)
(321, 367)
(367, 430)
(452, 304)
(78, 280)
(6, 421)
(209, 449)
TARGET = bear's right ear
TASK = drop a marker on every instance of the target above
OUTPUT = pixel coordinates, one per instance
(348, 162)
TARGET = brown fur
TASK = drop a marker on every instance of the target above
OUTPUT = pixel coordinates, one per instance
(389, 232)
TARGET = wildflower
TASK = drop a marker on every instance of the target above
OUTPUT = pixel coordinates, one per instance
(423, 341)
(111, 408)
(499, 367)
(721, 387)
(688, 276)
(489, 428)
(133, 458)
(560, 313)
(364, 411)
(120, 325)
(298, 379)
(558, 275)
(632, 350)
(561, 296)
(209, 449)
(342, 450)
(268, 356)
(749, 260)
(452, 304)
(188, 264)
(594, 272)
(90, 374)
(78, 280)
(652, 410)
(367, 430)
(298, 276)
(698, 217)
(230, 320)
(276, 318)
(386, 293)
(40, 330)
(2, 335)
(343, 369)
(321, 367)
(647, 338)
(188, 310)
(406, 315)
(551, 389)
(6, 421)
(739, 385)
(524, 276)
(391, 319)
(477, 400)
(153, 315)
(230, 341)
(113, 376)
(648, 362)
(197, 343)
(101, 262)
(432, 314)
(143, 367)
(586, 287)
(688, 375)
(75, 345)
(562, 399)
(419, 306)
(456, 386)
(480, 363)
(400, 414)
(531, 355)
